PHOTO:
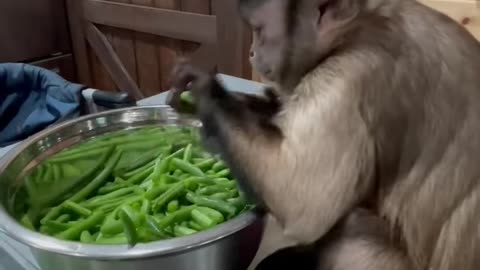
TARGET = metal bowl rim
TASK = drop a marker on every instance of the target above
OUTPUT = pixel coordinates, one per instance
(116, 252)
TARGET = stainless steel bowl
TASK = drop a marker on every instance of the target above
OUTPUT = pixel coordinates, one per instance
(229, 246)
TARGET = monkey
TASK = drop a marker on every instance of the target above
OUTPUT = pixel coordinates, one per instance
(377, 105)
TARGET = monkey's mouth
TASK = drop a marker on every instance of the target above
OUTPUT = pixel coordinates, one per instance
(268, 74)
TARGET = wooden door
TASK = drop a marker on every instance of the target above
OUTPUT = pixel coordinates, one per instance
(131, 45)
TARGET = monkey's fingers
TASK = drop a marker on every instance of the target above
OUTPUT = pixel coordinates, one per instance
(183, 74)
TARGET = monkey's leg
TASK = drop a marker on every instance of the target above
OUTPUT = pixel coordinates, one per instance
(309, 165)
(359, 242)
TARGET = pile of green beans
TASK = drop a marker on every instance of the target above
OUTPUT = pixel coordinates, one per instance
(130, 187)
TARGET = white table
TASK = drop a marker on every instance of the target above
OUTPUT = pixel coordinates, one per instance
(16, 256)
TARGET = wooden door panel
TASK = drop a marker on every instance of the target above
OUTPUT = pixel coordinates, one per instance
(135, 43)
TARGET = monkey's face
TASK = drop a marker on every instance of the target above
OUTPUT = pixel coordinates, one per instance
(290, 37)
(269, 39)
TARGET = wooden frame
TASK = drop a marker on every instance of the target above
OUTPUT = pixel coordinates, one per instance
(222, 38)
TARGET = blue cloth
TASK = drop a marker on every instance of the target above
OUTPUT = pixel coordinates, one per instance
(31, 99)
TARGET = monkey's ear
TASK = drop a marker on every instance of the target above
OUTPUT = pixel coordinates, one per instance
(336, 13)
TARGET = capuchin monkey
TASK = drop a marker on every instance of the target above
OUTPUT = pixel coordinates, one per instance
(375, 105)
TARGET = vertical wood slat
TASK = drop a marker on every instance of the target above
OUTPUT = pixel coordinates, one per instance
(231, 39)
(77, 24)
(123, 43)
(167, 49)
(194, 6)
(111, 61)
(148, 68)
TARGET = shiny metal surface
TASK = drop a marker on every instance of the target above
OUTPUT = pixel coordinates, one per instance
(231, 245)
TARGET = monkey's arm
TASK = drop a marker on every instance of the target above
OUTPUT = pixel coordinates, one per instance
(309, 170)
(309, 165)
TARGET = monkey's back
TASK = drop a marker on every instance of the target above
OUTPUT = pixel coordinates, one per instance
(428, 142)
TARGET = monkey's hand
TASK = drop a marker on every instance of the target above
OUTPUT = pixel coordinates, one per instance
(209, 94)
(226, 115)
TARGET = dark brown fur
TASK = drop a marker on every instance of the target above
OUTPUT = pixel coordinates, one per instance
(380, 103)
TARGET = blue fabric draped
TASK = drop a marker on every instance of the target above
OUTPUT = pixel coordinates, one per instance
(33, 98)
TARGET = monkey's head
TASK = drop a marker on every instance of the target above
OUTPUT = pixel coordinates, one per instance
(290, 37)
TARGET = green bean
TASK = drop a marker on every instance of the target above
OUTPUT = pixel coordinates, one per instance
(218, 166)
(48, 175)
(47, 230)
(70, 171)
(74, 232)
(112, 195)
(202, 180)
(113, 188)
(61, 191)
(145, 207)
(86, 237)
(223, 173)
(178, 216)
(146, 234)
(63, 218)
(213, 214)
(197, 160)
(95, 145)
(202, 219)
(118, 180)
(157, 191)
(218, 205)
(169, 179)
(142, 145)
(194, 225)
(78, 156)
(172, 193)
(120, 239)
(25, 221)
(177, 173)
(111, 226)
(239, 202)
(161, 167)
(205, 164)
(173, 206)
(209, 190)
(53, 213)
(30, 186)
(56, 226)
(135, 179)
(153, 225)
(183, 231)
(187, 167)
(187, 155)
(139, 162)
(221, 196)
(77, 208)
(139, 170)
(226, 184)
(39, 172)
(114, 202)
(187, 97)
(99, 180)
(128, 225)
(57, 173)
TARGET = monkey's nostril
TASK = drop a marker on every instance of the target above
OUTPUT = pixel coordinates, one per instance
(252, 54)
